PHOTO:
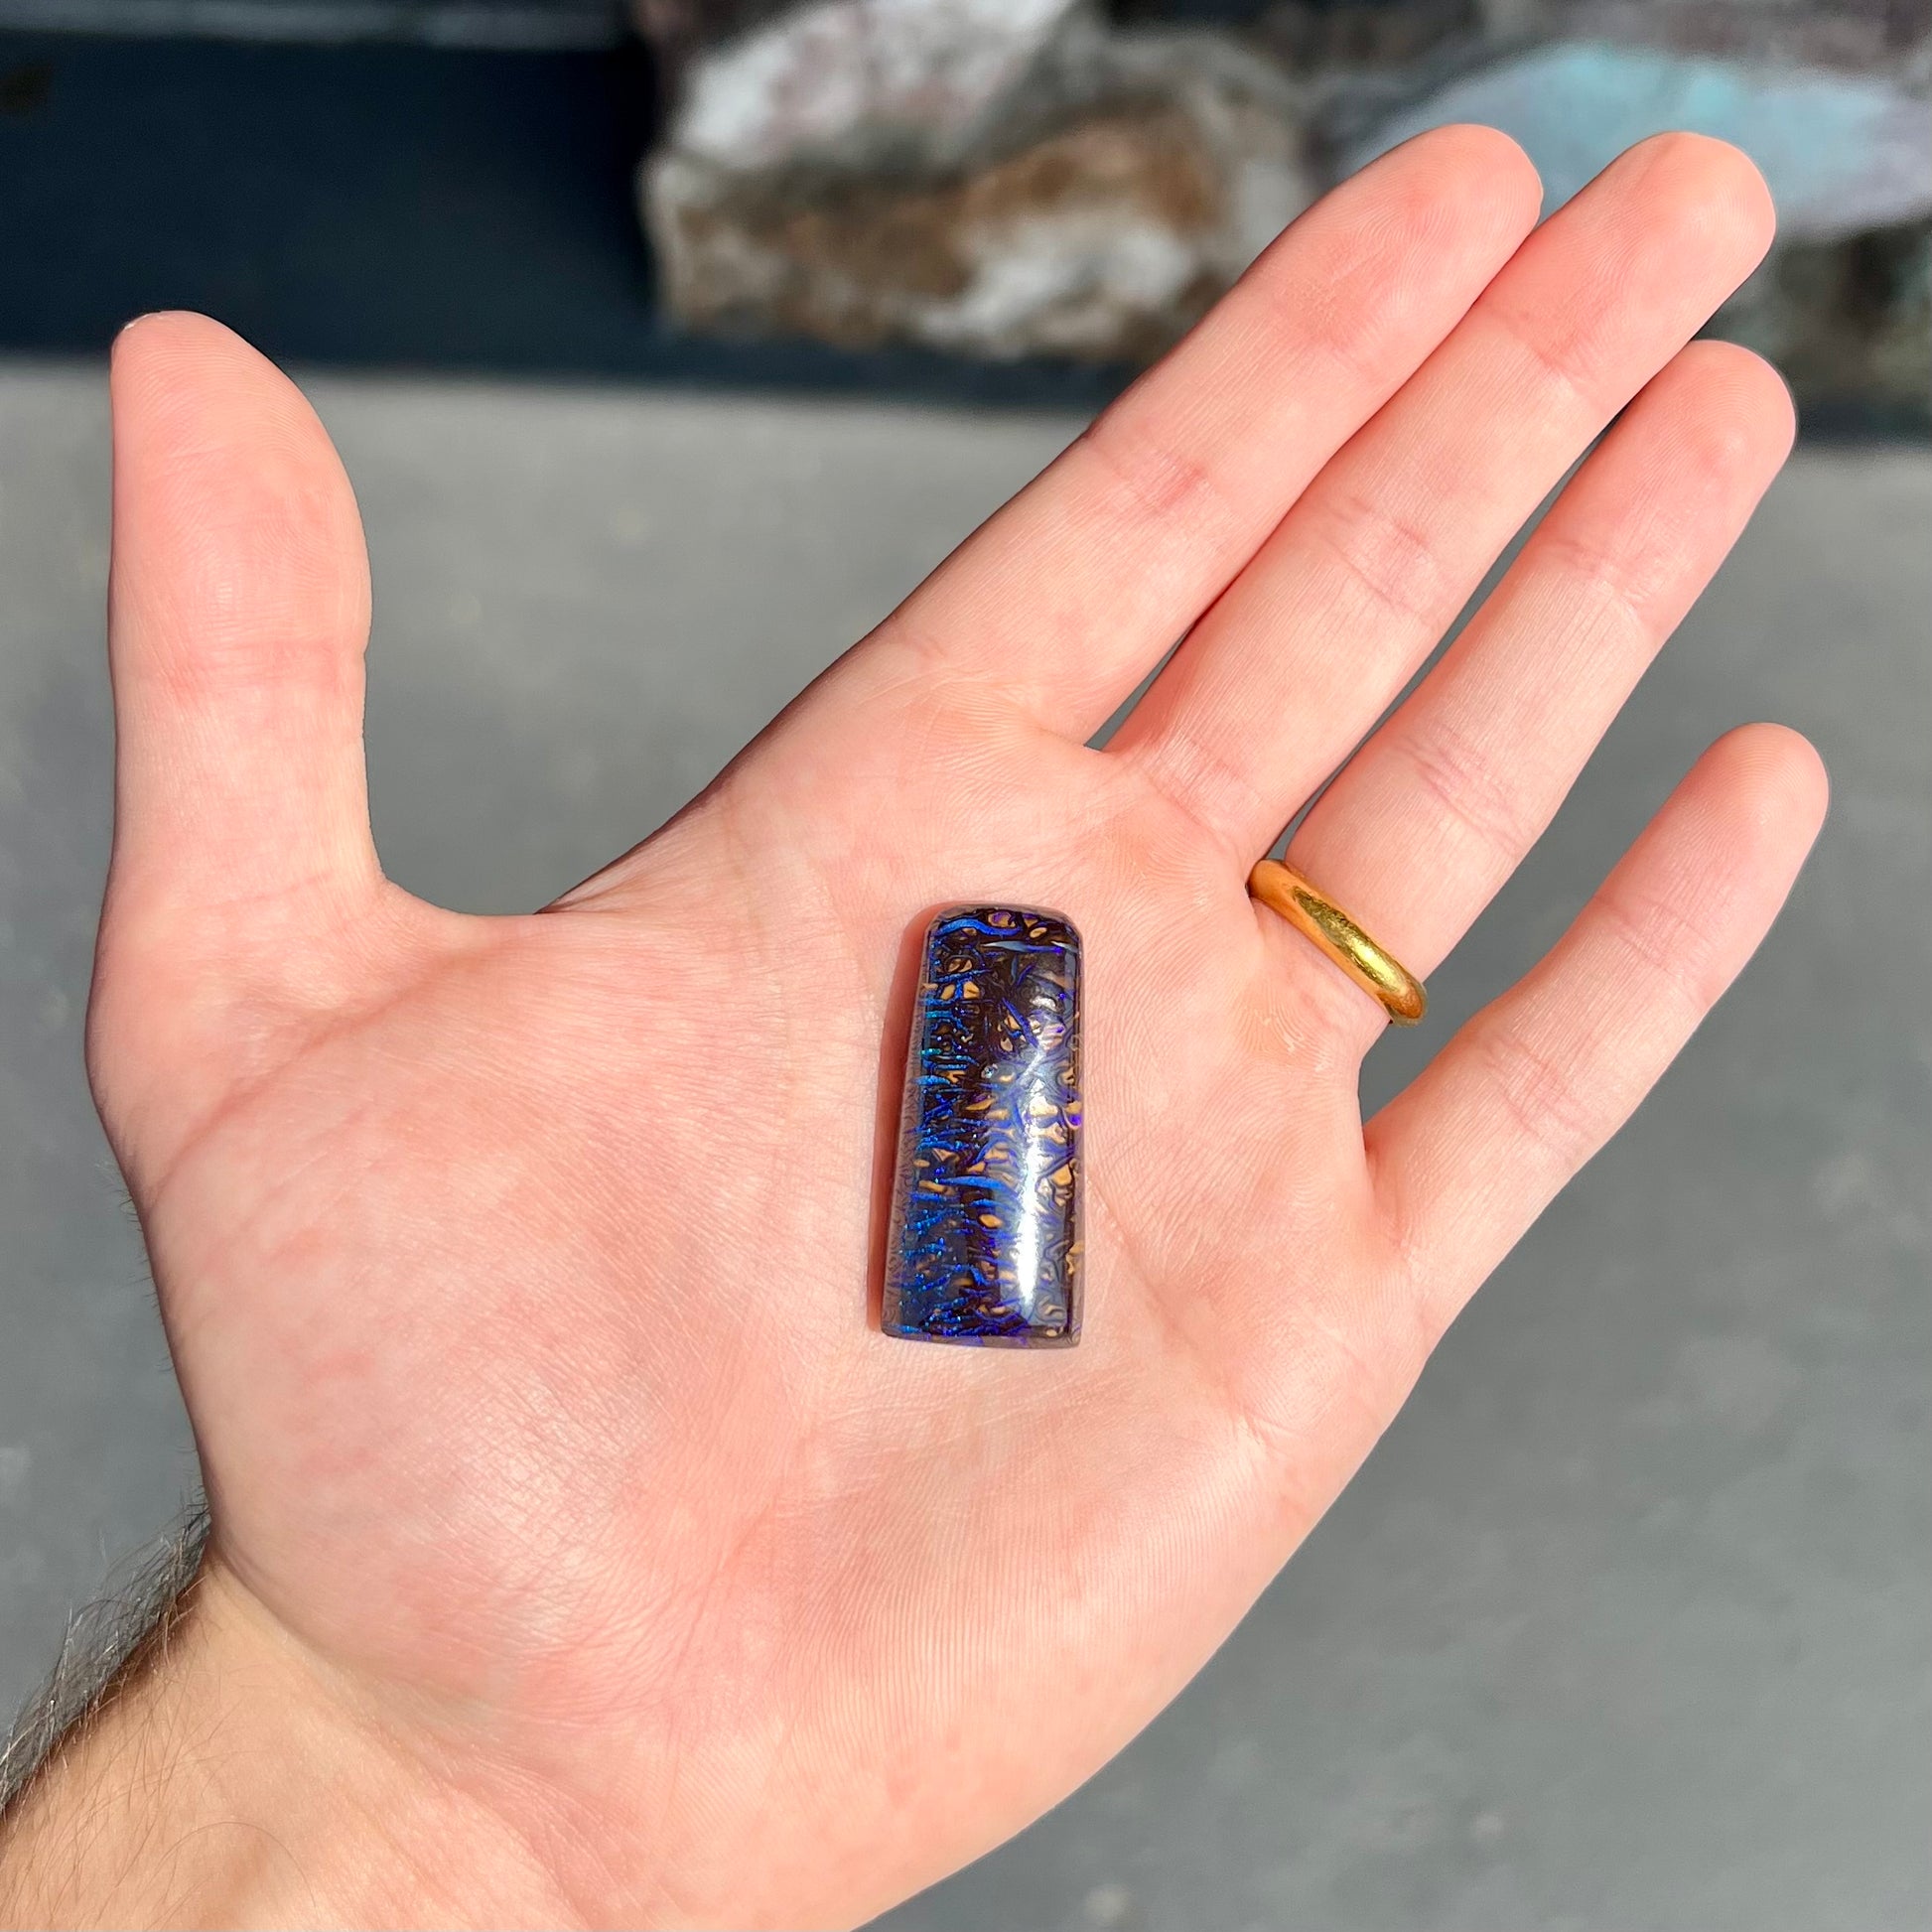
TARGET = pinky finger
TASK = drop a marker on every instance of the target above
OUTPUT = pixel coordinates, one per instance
(1472, 1152)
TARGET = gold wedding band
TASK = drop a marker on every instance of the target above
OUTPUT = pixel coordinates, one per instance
(1318, 918)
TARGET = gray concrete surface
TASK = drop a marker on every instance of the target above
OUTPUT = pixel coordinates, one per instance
(1625, 1625)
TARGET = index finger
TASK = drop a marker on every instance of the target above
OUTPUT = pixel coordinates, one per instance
(1068, 597)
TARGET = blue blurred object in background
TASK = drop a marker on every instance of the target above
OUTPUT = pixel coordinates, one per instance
(1840, 152)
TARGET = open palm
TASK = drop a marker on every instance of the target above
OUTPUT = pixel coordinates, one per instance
(522, 1272)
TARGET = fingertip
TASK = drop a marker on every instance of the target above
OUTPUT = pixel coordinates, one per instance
(1807, 779)
(148, 322)
(237, 539)
(1496, 159)
(1478, 169)
(1745, 380)
(1710, 188)
(186, 387)
(182, 382)
(1733, 408)
(136, 326)
(1780, 775)
(1719, 360)
(171, 336)
(134, 349)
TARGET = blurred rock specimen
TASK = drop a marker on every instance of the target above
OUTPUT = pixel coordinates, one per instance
(997, 178)
(1005, 178)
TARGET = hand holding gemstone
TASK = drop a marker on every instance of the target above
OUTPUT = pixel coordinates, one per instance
(571, 1518)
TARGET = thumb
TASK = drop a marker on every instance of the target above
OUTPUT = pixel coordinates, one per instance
(242, 868)
(237, 624)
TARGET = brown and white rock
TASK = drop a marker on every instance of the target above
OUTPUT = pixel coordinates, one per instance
(996, 177)
(1002, 178)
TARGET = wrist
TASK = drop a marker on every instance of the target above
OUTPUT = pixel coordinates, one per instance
(236, 1778)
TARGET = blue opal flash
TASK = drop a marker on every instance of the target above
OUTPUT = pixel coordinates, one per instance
(985, 1240)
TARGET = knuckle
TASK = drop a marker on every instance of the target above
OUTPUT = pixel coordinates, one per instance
(1628, 582)
(1469, 783)
(1150, 481)
(1539, 1092)
(1559, 350)
(1211, 791)
(1669, 945)
(1391, 558)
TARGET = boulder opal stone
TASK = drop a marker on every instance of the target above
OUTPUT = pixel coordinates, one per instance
(985, 1241)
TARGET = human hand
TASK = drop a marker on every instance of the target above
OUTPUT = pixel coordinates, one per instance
(582, 1551)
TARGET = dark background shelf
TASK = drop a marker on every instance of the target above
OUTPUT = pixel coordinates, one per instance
(383, 206)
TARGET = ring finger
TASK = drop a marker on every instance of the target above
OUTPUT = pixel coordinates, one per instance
(1281, 678)
(1460, 782)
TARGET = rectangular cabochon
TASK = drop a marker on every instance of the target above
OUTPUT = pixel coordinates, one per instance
(985, 1241)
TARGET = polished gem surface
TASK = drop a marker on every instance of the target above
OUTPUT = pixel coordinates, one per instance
(985, 1242)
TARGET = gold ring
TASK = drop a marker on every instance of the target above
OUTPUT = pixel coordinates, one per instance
(1318, 917)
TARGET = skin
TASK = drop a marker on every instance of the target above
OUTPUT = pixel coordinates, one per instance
(581, 1550)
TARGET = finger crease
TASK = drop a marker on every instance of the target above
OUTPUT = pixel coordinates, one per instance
(1624, 591)
(1477, 790)
(1160, 487)
(1206, 789)
(1392, 559)
(1558, 366)
(1668, 942)
(1538, 1091)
